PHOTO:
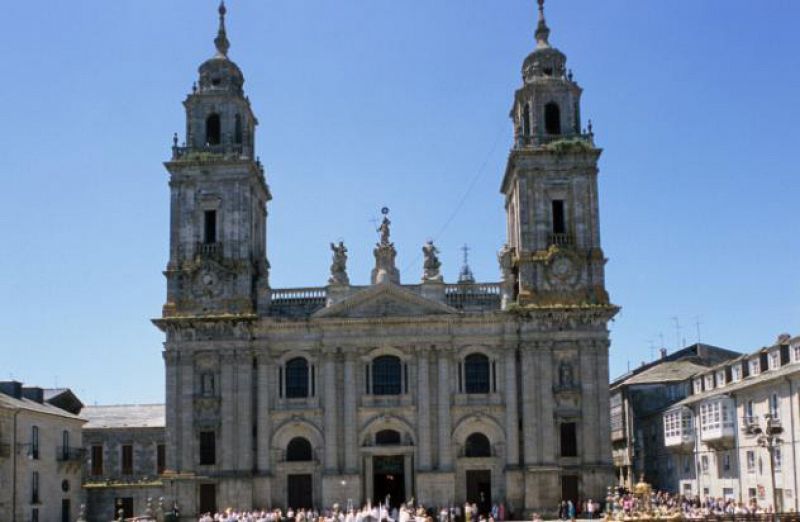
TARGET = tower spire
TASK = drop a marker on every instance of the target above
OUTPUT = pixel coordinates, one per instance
(221, 41)
(542, 31)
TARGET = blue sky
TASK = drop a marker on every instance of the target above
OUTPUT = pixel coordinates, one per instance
(405, 104)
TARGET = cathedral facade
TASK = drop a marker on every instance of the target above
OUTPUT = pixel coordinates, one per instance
(440, 392)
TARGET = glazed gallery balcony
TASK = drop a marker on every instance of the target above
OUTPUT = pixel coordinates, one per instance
(718, 421)
(679, 429)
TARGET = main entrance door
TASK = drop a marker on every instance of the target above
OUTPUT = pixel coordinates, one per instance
(299, 492)
(388, 480)
(479, 489)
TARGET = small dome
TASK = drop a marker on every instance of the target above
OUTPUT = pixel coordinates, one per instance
(220, 74)
(544, 62)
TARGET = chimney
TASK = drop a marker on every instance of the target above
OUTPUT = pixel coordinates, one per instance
(34, 394)
(663, 352)
(11, 388)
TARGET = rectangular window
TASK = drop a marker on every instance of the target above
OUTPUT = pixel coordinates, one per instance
(208, 448)
(773, 406)
(685, 464)
(726, 462)
(127, 459)
(559, 223)
(126, 505)
(751, 461)
(210, 226)
(751, 493)
(704, 463)
(755, 366)
(698, 386)
(737, 373)
(35, 488)
(774, 360)
(34, 442)
(796, 352)
(35, 515)
(709, 382)
(569, 440)
(161, 458)
(721, 378)
(778, 460)
(97, 460)
(727, 493)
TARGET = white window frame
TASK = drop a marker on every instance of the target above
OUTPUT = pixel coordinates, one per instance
(755, 366)
(721, 378)
(774, 360)
(750, 458)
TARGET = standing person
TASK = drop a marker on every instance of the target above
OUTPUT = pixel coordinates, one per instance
(590, 509)
(570, 510)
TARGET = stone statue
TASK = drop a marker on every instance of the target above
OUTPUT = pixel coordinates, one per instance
(504, 257)
(565, 377)
(384, 231)
(431, 264)
(339, 265)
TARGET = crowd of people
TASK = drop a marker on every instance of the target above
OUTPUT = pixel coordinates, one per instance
(622, 505)
(407, 512)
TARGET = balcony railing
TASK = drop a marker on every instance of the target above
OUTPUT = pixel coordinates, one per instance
(209, 249)
(207, 152)
(67, 454)
(586, 138)
(561, 239)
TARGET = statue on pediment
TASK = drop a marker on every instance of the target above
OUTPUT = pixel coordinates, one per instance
(339, 265)
(431, 265)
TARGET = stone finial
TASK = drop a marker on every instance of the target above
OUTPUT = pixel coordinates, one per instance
(542, 31)
(339, 265)
(221, 41)
(431, 265)
(385, 270)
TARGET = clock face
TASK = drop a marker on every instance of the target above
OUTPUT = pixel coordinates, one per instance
(562, 271)
(206, 283)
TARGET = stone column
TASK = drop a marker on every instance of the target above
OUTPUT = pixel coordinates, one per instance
(227, 432)
(602, 398)
(244, 407)
(512, 422)
(445, 449)
(186, 411)
(530, 409)
(172, 431)
(408, 475)
(547, 425)
(329, 414)
(423, 408)
(350, 422)
(263, 429)
(368, 473)
(588, 425)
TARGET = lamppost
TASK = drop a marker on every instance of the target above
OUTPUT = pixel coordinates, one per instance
(769, 438)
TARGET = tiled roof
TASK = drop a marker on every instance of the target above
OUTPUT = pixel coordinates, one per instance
(124, 416)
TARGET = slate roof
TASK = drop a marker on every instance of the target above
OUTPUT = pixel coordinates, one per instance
(669, 371)
(116, 416)
(7, 401)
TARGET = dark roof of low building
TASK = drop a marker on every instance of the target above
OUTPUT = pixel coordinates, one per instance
(669, 371)
(703, 355)
(116, 416)
(63, 398)
(23, 403)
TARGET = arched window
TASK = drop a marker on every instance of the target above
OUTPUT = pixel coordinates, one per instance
(237, 132)
(526, 121)
(552, 118)
(207, 384)
(213, 130)
(297, 378)
(476, 373)
(387, 438)
(299, 450)
(387, 375)
(477, 445)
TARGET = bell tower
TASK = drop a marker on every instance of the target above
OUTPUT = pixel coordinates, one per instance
(553, 254)
(218, 204)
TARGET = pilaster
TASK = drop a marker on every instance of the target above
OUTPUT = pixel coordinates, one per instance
(244, 403)
(329, 405)
(445, 421)
(263, 424)
(228, 428)
(423, 408)
(530, 406)
(350, 424)
(186, 411)
(512, 418)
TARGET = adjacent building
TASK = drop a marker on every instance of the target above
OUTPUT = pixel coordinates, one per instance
(709, 436)
(638, 400)
(444, 392)
(41, 454)
(126, 454)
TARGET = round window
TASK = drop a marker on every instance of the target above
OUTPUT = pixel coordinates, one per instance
(65, 485)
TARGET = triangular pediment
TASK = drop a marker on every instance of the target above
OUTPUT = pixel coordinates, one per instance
(384, 300)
